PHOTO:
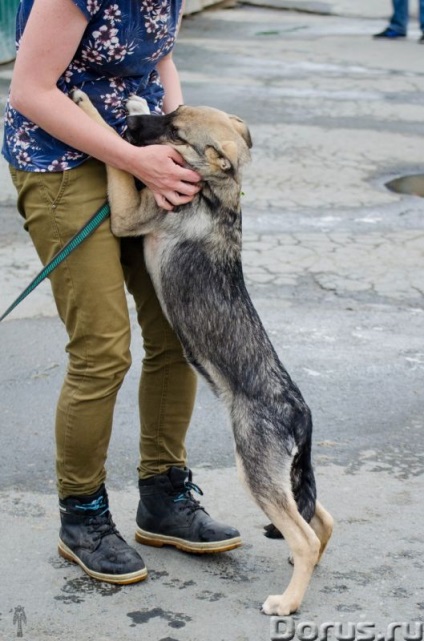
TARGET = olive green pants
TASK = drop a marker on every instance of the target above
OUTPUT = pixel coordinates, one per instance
(89, 290)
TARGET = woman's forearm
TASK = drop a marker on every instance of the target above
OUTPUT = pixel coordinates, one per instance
(158, 166)
(170, 80)
(56, 113)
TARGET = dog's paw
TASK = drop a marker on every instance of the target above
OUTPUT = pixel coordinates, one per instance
(279, 605)
(79, 96)
(137, 106)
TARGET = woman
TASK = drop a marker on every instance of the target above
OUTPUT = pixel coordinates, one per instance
(111, 49)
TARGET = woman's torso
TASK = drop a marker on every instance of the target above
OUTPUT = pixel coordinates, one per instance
(117, 57)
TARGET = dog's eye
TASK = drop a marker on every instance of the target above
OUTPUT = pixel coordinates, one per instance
(173, 134)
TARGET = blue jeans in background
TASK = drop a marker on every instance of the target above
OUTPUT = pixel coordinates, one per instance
(399, 20)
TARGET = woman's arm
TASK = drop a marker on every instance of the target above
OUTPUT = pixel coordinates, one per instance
(51, 37)
(170, 80)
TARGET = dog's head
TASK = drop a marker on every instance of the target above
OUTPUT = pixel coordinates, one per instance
(212, 142)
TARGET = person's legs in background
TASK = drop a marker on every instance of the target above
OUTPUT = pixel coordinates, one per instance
(399, 20)
(398, 23)
(421, 20)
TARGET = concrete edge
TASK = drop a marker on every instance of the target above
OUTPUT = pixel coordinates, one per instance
(195, 6)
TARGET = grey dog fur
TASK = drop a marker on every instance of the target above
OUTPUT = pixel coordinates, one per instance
(194, 258)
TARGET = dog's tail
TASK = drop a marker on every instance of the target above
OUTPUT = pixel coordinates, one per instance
(303, 483)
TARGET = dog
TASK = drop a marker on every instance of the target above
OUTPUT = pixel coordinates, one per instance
(193, 256)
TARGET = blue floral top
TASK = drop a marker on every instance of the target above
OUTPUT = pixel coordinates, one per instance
(117, 57)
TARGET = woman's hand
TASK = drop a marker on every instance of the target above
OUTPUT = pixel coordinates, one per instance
(161, 168)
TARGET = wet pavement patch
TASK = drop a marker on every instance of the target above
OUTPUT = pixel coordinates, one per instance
(178, 584)
(359, 578)
(401, 593)
(412, 185)
(58, 562)
(354, 607)
(402, 461)
(154, 575)
(75, 590)
(337, 588)
(240, 569)
(175, 619)
(207, 595)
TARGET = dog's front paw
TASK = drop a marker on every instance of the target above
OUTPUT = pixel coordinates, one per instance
(83, 101)
(79, 97)
(137, 106)
(279, 605)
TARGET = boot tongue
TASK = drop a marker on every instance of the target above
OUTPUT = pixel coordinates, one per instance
(178, 476)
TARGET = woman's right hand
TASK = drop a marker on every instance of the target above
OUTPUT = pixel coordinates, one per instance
(161, 168)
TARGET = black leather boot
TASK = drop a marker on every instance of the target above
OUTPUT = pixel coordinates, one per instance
(168, 514)
(88, 536)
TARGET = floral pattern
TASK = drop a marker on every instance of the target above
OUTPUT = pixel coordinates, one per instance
(117, 57)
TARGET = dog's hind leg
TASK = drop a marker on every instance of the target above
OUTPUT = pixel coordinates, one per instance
(303, 542)
(305, 547)
(322, 524)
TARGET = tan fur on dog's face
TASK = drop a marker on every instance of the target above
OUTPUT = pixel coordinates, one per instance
(218, 142)
(212, 142)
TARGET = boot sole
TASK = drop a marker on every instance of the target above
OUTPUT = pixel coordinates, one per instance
(120, 579)
(159, 540)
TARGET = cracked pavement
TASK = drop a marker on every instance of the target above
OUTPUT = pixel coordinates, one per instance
(334, 263)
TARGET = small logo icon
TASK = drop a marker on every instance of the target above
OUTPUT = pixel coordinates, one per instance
(19, 618)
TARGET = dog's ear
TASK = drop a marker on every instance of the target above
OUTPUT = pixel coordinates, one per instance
(223, 157)
(242, 129)
(226, 156)
(229, 157)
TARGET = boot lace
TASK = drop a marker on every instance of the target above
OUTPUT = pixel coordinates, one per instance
(102, 525)
(187, 500)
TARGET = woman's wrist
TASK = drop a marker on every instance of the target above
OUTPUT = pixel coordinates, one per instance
(127, 158)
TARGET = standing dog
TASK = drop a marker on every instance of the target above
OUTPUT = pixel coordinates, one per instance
(194, 258)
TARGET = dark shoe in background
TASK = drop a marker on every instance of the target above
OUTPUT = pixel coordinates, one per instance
(421, 40)
(88, 536)
(168, 514)
(389, 34)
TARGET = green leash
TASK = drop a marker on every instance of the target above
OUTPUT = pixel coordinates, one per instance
(85, 231)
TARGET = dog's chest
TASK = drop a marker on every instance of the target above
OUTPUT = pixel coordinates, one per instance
(193, 232)
(155, 245)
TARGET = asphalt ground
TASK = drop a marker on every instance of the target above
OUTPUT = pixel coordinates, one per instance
(334, 263)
